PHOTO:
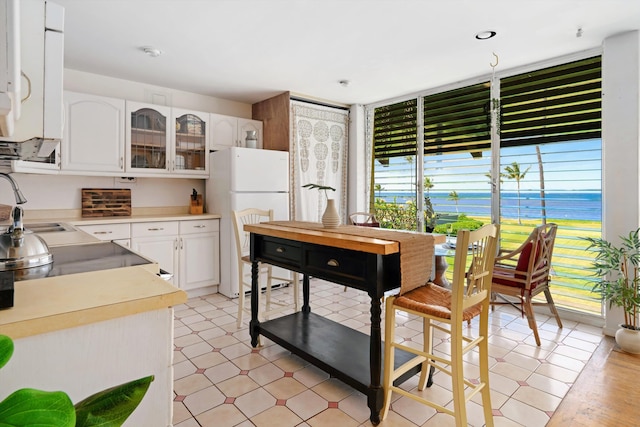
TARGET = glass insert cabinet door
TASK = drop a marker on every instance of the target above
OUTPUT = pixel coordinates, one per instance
(149, 139)
(190, 143)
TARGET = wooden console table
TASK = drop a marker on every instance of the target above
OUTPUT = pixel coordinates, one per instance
(350, 256)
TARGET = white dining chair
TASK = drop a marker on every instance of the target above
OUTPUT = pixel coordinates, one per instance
(243, 247)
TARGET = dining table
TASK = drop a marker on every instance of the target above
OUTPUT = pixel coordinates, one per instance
(372, 260)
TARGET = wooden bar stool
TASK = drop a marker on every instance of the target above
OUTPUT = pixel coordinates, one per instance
(446, 310)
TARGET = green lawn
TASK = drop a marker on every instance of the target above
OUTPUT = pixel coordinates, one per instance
(571, 279)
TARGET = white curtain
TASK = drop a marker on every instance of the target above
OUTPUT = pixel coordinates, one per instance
(318, 155)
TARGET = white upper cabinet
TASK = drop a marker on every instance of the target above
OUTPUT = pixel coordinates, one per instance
(148, 138)
(166, 141)
(106, 136)
(190, 143)
(228, 131)
(93, 138)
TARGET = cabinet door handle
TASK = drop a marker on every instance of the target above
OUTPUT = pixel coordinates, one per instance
(333, 263)
(121, 162)
(199, 226)
(155, 229)
(102, 232)
(176, 244)
(181, 246)
(280, 250)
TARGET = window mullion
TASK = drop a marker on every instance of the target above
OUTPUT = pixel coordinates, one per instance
(420, 166)
(495, 150)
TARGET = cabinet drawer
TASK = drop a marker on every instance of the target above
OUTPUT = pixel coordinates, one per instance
(107, 231)
(336, 264)
(199, 226)
(282, 251)
(150, 229)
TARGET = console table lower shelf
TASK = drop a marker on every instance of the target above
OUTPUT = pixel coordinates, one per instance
(338, 350)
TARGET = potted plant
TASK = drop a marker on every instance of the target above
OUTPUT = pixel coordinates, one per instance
(616, 268)
(31, 407)
(330, 217)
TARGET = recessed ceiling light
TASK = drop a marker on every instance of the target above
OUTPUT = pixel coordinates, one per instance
(151, 51)
(485, 35)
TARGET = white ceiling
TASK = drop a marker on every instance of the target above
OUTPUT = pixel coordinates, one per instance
(250, 50)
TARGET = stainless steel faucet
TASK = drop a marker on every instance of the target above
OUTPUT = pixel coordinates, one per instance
(20, 199)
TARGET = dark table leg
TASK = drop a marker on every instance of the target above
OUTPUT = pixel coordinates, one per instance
(254, 323)
(305, 294)
(375, 398)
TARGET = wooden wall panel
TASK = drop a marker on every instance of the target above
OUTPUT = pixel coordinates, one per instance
(274, 113)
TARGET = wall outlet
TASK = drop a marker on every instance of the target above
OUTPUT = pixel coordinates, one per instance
(126, 180)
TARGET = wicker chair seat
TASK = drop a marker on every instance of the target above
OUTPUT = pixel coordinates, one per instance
(434, 300)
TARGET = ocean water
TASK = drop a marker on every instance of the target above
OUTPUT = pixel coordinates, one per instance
(559, 205)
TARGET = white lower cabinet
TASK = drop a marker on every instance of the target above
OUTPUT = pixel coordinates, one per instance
(158, 241)
(118, 233)
(188, 249)
(199, 249)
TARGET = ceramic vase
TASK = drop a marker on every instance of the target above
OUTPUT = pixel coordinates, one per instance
(331, 218)
(251, 141)
(628, 340)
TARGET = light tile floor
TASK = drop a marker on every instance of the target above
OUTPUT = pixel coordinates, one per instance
(220, 380)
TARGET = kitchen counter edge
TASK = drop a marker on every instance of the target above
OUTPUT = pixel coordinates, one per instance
(51, 304)
(138, 218)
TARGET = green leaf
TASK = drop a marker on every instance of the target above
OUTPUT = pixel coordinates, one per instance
(6, 349)
(29, 407)
(111, 407)
(319, 187)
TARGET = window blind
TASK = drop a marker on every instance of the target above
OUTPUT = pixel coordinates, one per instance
(458, 120)
(395, 130)
(561, 103)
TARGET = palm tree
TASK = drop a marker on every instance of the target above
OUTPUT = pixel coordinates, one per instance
(513, 172)
(543, 203)
(454, 196)
(378, 188)
(409, 160)
(428, 184)
(488, 175)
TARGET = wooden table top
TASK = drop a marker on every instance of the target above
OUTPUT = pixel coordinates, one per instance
(345, 236)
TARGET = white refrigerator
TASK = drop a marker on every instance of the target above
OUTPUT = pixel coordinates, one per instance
(242, 178)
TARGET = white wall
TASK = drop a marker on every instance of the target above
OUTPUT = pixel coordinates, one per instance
(357, 162)
(620, 142)
(79, 81)
(64, 192)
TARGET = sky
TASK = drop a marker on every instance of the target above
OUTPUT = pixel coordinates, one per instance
(567, 166)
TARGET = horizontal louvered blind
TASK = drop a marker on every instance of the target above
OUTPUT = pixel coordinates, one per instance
(561, 103)
(458, 120)
(395, 130)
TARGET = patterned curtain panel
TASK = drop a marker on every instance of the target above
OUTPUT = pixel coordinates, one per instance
(318, 155)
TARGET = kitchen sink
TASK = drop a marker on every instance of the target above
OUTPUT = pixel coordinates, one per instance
(48, 227)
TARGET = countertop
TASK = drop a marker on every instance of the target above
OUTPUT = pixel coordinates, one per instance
(74, 216)
(54, 303)
(138, 218)
(68, 238)
(59, 302)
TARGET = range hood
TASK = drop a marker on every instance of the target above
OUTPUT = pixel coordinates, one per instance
(31, 68)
